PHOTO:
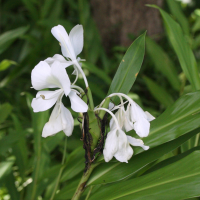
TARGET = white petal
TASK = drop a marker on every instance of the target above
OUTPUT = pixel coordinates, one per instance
(137, 142)
(149, 116)
(45, 100)
(61, 75)
(77, 104)
(54, 125)
(41, 77)
(123, 155)
(64, 63)
(142, 127)
(128, 125)
(61, 35)
(136, 112)
(76, 37)
(60, 119)
(67, 120)
(124, 151)
(111, 145)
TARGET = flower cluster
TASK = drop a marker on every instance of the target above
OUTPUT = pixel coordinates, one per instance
(117, 142)
(51, 73)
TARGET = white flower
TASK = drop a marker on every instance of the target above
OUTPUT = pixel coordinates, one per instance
(117, 145)
(133, 118)
(141, 119)
(71, 47)
(55, 76)
(72, 44)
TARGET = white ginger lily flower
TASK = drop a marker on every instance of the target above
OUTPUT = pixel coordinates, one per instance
(55, 76)
(117, 143)
(71, 47)
(134, 117)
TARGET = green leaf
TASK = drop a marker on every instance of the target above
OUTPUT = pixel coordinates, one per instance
(5, 110)
(180, 118)
(74, 165)
(6, 167)
(159, 93)
(5, 64)
(176, 181)
(8, 37)
(182, 49)
(163, 63)
(129, 67)
(177, 12)
(111, 172)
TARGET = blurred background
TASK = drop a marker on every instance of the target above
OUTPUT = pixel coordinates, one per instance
(30, 164)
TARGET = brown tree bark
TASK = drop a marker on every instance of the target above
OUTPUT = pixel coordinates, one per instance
(118, 18)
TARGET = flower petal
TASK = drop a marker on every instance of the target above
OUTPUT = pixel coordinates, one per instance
(41, 77)
(61, 76)
(67, 120)
(65, 63)
(142, 127)
(111, 145)
(60, 119)
(137, 142)
(77, 104)
(149, 116)
(76, 37)
(45, 100)
(61, 35)
(54, 125)
(124, 152)
(136, 112)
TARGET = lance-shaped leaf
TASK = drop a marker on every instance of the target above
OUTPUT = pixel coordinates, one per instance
(163, 63)
(179, 180)
(180, 118)
(112, 172)
(182, 49)
(129, 67)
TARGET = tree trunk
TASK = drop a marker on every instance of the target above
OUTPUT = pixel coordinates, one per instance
(118, 18)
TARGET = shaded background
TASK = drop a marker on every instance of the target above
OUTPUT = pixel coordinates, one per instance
(109, 28)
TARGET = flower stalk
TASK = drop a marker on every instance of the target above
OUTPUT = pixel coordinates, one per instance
(83, 182)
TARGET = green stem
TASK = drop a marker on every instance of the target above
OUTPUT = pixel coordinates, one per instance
(82, 184)
(61, 170)
(91, 103)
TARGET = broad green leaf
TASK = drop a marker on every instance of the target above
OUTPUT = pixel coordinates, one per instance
(75, 164)
(171, 160)
(163, 63)
(6, 63)
(159, 93)
(179, 180)
(6, 167)
(177, 12)
(112, 172)
(5, 110)
(8, 37)
(182, 49)
(180, 118)
(20, 149)
(129, 67)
